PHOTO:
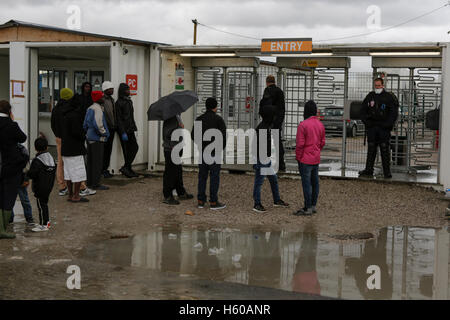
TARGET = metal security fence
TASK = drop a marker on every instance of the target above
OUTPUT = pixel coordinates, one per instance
(414, 147)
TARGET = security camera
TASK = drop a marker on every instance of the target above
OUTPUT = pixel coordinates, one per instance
(125, 50)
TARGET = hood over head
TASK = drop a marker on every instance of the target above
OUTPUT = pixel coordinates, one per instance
(122, 88)
(310, 109)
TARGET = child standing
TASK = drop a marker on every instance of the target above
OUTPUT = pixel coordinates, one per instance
(309, 142)
(267, 113)
(42, 172)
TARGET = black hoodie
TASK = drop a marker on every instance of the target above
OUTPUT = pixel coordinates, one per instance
(57, 118)
(42, 172)
(12, 161)
(125, 111)
(83, 102)
(73, 135)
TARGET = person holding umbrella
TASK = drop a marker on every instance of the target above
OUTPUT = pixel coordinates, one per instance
(173, 173)
(169, 109)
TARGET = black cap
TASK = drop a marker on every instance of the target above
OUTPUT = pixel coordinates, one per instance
(211, 103)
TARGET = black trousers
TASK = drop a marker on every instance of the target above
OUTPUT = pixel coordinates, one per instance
(9, 187)
(42, 204)
(173, 176)
(108, 149)
(129, 148)
(281, 163)
(95, 154)
(378, 135)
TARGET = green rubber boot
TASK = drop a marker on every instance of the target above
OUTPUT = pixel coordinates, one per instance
(6, 218)
(3, 233)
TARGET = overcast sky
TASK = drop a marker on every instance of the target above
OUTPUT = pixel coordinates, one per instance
(169, 21)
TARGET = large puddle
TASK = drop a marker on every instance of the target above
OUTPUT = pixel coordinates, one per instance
(409, 263)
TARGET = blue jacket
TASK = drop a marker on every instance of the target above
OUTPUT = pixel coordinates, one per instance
(95, 124)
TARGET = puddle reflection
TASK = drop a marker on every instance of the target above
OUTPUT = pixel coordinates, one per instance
(304, 262)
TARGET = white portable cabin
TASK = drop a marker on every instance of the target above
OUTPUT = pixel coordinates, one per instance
(36, 61)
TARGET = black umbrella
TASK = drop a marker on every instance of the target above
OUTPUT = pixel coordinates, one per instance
(171, 105)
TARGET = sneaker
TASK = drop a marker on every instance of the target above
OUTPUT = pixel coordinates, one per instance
(259, 208)
(63, 192)
(185, 196)
(314, 210)
(87, 192)
(100, 187)
(107, 174)
(281, 203)
(303, 212)
(201, 204)
(216, 205)
(171, 201)
(40, 228)
(31, 223)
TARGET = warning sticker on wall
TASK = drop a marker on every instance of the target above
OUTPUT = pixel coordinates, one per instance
(310, 63)
(179, 76)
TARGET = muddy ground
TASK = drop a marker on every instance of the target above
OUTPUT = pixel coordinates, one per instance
(34, 265)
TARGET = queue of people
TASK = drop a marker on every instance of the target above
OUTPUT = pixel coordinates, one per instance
(85, 125)
(81, 125)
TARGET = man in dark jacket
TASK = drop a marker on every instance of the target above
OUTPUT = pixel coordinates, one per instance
(110, 111)
(65, 102)
(379, 112)
(209, 120)
(126, 127)
(173, 173)
(267, 113)
(73, 151)
(84, 100)
(12, 163)
(274, 96)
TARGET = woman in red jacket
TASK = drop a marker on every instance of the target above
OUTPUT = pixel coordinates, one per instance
(310, 141)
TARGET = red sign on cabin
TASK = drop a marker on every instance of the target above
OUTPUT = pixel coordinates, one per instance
(132, 81)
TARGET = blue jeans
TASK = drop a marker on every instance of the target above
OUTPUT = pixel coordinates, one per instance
(214, 171)
(310, 183)
(259, 179)
(26, 204)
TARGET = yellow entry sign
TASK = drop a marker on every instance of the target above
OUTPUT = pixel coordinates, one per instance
(300, 45)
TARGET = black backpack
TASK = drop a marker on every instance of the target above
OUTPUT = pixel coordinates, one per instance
(355, 110)
(432, 119)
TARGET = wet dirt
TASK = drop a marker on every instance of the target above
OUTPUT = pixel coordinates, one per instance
(100, 237)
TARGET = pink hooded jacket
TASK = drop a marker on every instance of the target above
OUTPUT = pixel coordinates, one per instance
(310, 141)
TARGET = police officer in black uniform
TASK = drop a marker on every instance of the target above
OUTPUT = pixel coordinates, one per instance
(379, 112)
